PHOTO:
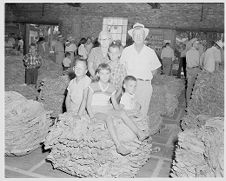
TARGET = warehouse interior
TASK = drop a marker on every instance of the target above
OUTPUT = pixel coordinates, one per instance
(185, 139)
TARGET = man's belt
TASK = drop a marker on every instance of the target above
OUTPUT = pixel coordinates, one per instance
(146, 80)
(193, 67)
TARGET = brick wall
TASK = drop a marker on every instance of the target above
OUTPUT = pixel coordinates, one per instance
(87, 20)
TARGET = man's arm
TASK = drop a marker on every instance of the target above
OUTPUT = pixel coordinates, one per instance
(68, 103)
(154, 71)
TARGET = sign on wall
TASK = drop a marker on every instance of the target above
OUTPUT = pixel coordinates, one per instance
(155, 39)
(117, 27)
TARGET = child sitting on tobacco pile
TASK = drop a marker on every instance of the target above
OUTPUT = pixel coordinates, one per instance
(128, 100)
(99, 107)
(131, 106)
(78, 89)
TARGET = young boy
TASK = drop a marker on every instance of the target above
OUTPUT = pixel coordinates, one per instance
(78, 89)
(128, 100)
(66, 61)
(32, 62)
(118, 70)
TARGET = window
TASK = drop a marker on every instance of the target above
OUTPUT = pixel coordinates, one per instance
(117, 27)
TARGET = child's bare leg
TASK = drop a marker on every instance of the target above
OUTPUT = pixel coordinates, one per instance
(140, 134)
(119, 147)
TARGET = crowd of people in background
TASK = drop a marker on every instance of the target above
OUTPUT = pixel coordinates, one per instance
(15, 42)
(191, 56)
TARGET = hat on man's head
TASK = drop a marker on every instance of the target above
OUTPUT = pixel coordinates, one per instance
(220, 43)
(136, 26)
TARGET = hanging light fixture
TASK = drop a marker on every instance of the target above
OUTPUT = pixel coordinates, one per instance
(74, 4)
(154, 5)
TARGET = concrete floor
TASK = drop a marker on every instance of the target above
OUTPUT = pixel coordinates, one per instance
(34, 165)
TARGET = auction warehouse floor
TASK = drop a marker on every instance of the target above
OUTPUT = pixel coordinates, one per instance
(34, 165)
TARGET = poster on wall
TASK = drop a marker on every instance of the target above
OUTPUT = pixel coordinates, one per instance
(117, 27)
(155, 39)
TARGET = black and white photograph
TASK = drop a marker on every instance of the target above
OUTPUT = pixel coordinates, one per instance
(113, 89)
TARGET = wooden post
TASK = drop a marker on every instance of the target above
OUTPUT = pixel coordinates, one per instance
(51, 37)
(26, 38)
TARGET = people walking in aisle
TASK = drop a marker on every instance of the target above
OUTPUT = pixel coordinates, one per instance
(192, 67)
(182, 61)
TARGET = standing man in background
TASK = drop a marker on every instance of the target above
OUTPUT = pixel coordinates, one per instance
(142, 63)
(59, 50)
(212, 57)
(167, 57)
(193, 67)
(182, 61)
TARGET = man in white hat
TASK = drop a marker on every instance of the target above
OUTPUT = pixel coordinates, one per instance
(142, 62)
(212, 57)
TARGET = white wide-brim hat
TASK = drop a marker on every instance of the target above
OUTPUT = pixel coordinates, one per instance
(220, 43)
(136, 26)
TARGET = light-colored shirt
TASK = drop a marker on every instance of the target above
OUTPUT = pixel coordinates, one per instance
(128, 101)
(82, 51)
(140, 64)
(101, 96)
(76, 90)
(71, 48)
(167, 52)
(66, 62)
(96, 57)
(212, 56)
(192, 58)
